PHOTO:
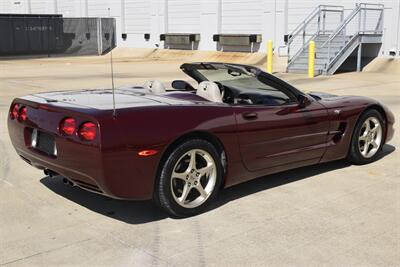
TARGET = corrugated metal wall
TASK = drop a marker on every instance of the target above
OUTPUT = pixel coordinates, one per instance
(40, 6)
(67, 8)
(242, 16)
(184, 16)
(8, 6)
(137, 16)
(207, 17)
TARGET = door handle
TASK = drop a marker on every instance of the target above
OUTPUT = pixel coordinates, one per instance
(250, 116)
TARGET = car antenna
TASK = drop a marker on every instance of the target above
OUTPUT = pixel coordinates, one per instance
(112, 83)
(112, 74)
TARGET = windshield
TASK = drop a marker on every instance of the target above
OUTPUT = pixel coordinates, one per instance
(241, 84)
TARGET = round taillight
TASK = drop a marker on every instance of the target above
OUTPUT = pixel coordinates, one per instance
(67, 126)
(88, 131)
(14, 111)
(22, 114)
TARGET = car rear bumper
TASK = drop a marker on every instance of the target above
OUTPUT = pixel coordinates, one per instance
(77, 177)
(108, 174)
(118, 172)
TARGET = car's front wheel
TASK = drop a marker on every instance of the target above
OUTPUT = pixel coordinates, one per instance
(368, 138)
(189, 179)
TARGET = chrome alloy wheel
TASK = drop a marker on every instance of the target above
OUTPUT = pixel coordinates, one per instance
(370, 137)
(193, 178)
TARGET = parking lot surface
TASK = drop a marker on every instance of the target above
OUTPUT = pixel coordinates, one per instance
(333, 214)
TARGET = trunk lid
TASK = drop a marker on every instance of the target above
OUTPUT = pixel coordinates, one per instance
(100, 99)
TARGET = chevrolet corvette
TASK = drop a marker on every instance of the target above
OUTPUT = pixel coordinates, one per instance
(181, 146)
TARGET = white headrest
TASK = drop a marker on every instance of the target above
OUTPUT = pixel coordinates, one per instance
(209, 91)
(156, 87)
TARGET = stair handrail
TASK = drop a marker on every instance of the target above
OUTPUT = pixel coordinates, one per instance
(349, 18)
(363, 6)
(336, 57)
(302, 24)
(307, 20)
(300, 29)
(341, 27)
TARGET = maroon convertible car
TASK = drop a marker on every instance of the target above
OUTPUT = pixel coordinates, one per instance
(181, 146)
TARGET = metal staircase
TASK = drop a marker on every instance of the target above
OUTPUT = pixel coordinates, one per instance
(337, 39)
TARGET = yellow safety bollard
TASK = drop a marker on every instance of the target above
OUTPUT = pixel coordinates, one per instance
(311, 59)
(269, 56)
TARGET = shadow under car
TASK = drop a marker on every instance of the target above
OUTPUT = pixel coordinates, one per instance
(139, 212)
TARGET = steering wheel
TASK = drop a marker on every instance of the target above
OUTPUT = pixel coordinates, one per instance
(226, 94)
(221, 89)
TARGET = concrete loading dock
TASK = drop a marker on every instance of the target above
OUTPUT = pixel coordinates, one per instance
(333, 214)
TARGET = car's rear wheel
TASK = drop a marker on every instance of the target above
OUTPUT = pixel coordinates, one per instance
(189, 179)
(368, 138)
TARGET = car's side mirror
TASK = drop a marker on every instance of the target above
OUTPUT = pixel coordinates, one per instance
(182, 85)
(304, 101)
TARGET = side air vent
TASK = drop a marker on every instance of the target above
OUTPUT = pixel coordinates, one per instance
(340, 131)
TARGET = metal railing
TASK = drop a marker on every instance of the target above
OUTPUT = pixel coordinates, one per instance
(322, 20)
(366, 19)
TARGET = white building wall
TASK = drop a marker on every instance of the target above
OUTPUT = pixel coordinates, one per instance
(209, 23)
(207, 17)
(184, 16)
(137, 16)
(5, 7)
(42, 7)
(67, 8)
(242, 16)
(140, 17)
(9, 6)
(104, 8)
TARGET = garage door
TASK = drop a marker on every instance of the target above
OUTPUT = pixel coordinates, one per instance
(137, 16)
(184, 16)
(242, 16)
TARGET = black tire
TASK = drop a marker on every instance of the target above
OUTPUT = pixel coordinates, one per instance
(163, 195)
(354, 156)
